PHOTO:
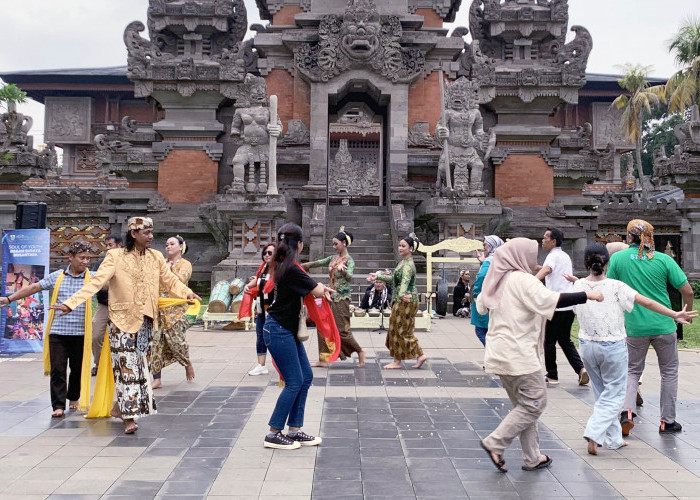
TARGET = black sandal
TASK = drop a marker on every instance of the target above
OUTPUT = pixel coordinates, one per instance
(500, 464)
(542, 465)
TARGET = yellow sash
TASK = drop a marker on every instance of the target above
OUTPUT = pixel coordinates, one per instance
(103, 398)
(84, 402)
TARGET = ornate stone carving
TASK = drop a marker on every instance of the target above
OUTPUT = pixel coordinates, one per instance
(102, 143)
(14, 129)
(682, 168)
(297, 134)
(468, 144)
(208, 52)
(361, 38)
(576, 52)
(157, 204)
(419, 135)
(68, 120)
(250, 123)
(348, 178)
(606, 127)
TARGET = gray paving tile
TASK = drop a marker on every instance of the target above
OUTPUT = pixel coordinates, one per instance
(332, 487)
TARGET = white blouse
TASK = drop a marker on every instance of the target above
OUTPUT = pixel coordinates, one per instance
(604, 321)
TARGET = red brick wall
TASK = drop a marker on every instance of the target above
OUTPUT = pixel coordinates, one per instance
(285, 16)
(524, 180)
(187, 177)
(430, 18)
(302, 101)
(424, 100)
(283, 85)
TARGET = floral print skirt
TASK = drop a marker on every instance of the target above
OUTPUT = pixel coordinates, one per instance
(400, 340)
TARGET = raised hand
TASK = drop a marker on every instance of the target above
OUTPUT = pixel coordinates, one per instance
(568, 277)
(194, 296)
(685, 317)
(371, 277)
(595, 295)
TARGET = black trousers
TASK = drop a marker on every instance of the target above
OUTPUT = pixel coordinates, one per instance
(66, 351)
(559, 330)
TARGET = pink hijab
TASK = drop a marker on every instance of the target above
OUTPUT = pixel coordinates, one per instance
(518, 254)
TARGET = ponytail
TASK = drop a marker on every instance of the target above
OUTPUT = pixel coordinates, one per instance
(288, 239)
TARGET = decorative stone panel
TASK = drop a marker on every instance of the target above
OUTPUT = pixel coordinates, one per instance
(68, 119)
(66, 231)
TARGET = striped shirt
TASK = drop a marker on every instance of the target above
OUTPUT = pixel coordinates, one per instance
(72, 323)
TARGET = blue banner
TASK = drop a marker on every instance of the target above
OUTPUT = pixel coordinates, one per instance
(25, 260)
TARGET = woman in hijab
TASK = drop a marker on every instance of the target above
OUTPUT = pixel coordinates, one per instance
(518, 303)
(481, 322)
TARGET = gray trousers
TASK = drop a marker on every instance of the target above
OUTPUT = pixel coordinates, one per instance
(99, 325)
(528, 393)
(666, 349)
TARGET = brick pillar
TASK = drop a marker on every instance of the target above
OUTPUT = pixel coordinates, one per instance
(524, 180)
(187, 176)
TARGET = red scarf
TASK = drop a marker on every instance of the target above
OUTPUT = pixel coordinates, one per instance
(246, 309)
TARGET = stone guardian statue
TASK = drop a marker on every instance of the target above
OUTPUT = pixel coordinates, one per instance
(468, 145)
(251, 122)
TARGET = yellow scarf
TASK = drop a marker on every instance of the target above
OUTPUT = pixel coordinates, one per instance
(103, 398)
(84, 402)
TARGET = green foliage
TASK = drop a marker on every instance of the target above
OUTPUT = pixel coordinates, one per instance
(658, 132)
(11, 93)
(683, 88)
(696, 287)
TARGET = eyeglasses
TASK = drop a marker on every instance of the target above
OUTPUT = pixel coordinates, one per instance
(267, 252)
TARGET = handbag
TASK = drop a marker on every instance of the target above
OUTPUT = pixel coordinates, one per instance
(302, 330)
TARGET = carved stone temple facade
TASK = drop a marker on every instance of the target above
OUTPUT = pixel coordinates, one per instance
(494, 127)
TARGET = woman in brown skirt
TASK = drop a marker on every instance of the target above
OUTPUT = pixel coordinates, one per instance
(340, 269)
(400, 340)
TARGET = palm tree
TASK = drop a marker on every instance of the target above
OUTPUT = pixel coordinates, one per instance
(683, 88)
(638, 99)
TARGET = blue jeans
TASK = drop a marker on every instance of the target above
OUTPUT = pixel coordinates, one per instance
(260, 346)
(291, 360)
(606, 364)
(481, 333)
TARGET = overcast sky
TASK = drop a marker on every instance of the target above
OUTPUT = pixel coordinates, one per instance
(44, 34)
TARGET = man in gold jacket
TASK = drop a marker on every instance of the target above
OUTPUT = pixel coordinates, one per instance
(134, 274)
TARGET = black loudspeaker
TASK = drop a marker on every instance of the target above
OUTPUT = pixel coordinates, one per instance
(30, 216)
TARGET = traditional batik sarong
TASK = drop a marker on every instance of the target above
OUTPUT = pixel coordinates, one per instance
(400, 340)
(132, 379)
(169, 341)
(341, 314)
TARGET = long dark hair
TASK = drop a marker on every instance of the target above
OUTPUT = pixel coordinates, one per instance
(595, 258)
(129, 241)
(288, 239)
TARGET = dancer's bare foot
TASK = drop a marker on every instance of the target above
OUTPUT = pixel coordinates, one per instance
(130, 426)
(419, 362)
(361, 356)
(189, 372)
(157, 384)
(72, 405)
(57, 413)
(393, 366)
(320, 364)
(115, 412)
(592, 447)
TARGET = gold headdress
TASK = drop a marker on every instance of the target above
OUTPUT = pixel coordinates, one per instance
(136, 223)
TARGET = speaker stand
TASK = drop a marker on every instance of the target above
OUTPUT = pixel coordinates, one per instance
(381, 324)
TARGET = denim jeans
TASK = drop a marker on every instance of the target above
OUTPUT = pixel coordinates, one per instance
(291, 360)
(606, 364)
(260, 347)
(481, 333)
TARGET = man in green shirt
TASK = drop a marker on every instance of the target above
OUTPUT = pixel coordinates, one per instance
(648, 272)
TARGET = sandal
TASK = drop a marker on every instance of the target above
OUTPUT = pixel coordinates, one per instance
(542, 465)
(58, 413)
(73, 405)
(500, 463)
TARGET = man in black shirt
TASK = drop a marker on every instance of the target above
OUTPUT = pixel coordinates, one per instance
(101, 316)
(377, 296)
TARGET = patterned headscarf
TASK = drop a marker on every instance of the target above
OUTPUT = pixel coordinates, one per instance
(136, 223)
(492, 242)
(645, 231)
(78, 247)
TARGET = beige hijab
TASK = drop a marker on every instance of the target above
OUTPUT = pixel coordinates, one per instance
(518, 254)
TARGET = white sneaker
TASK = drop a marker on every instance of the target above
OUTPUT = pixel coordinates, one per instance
(259, 370)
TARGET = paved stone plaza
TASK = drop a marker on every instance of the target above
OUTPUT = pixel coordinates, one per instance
(400, 434)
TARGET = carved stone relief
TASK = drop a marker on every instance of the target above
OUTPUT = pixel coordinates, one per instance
(297, 134)
(606, 127)
(68, 120)
(361, 38)
(349, 177)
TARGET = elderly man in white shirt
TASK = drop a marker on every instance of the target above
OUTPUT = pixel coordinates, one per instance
(558, 329)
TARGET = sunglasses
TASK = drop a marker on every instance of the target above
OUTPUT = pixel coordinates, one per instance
(267, 252)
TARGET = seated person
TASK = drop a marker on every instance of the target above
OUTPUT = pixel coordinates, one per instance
(461, 301)
(377, 296)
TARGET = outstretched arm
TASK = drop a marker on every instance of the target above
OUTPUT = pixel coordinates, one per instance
(24, 292)
(97, 282)
(543, 272)
(683, 316)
